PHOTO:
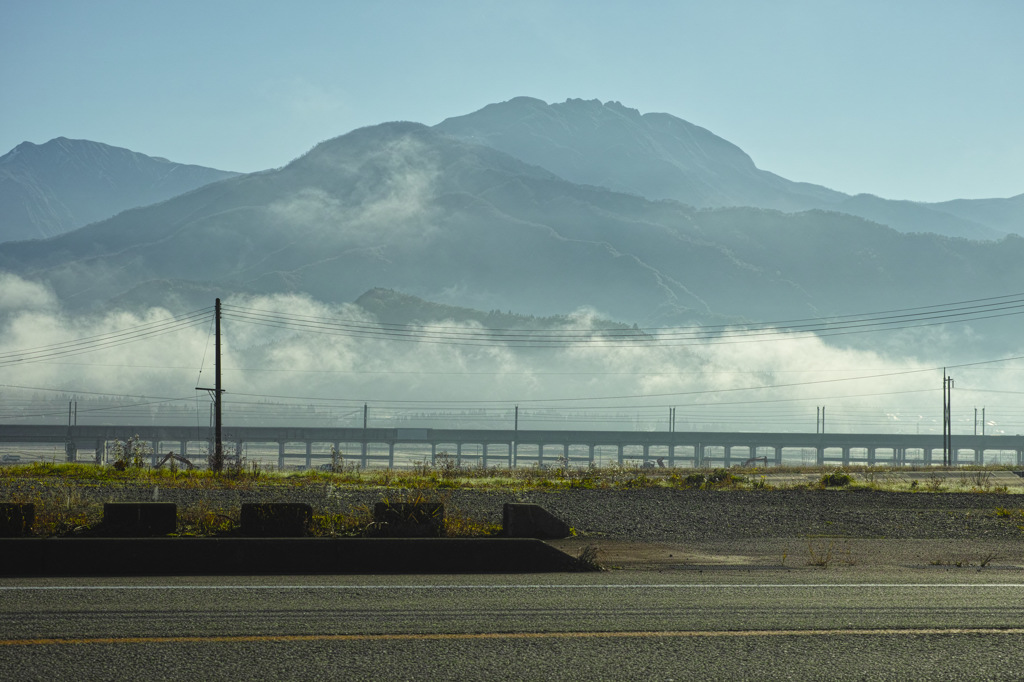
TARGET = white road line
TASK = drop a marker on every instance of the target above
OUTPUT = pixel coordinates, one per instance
(666, 586)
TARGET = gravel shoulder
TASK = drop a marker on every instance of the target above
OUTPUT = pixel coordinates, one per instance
(669, 529)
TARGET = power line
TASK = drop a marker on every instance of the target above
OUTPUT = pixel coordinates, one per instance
(97, 342)
(850, 324)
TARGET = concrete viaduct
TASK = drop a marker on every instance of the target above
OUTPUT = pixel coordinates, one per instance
(510, 448)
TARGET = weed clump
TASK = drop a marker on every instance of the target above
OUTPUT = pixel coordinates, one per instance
(586, 560)
(708, 480)
(836, 479)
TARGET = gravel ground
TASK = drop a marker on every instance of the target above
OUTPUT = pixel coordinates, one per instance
(652, 515)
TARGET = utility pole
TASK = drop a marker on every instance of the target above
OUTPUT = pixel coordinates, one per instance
(218, 420)
(945, 415)
(947, 421)
(217, 458)
(515, 442)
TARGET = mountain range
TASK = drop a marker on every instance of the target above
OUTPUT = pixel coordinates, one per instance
(53, 188)
(447, 215)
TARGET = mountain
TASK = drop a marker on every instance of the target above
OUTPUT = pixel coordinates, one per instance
(402, 206)
(394, 307)
(659, 156)
(52, 188)
(997, 214)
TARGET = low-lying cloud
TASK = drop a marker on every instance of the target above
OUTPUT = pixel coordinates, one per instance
(273, 374)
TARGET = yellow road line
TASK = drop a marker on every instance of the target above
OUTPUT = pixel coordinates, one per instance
(510, 636)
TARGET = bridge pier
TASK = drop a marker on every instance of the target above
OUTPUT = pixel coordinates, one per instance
(591, 454)
(820, 456)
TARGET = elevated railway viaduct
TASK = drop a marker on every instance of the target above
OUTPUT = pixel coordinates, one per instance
(307, 447)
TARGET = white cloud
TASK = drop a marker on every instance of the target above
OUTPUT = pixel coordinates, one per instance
(21, 294)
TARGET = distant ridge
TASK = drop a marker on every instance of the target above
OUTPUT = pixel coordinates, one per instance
(52, 188)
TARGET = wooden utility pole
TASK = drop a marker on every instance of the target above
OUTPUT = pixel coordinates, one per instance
(218, 422)
(947, 419)
(217, 457)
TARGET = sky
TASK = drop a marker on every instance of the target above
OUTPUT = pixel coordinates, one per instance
(918, 99)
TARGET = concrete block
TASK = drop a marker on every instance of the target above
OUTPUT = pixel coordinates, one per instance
(276, 519)
(16, 519)
(532, 521)
(408, 520)
(139, 519)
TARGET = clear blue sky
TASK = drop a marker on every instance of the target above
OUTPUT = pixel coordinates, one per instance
(915, 99)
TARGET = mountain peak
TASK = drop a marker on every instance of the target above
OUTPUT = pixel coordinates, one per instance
(611, 145)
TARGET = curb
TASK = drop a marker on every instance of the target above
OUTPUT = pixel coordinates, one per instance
(260, 556)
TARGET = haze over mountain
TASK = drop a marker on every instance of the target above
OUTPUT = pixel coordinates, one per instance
(406, 207)
(659, 156)
(51, 188)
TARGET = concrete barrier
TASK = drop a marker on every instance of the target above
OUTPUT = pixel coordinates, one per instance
(16, 519)
(276, 519)
(258, 556)
(139, 519)
(532, 521)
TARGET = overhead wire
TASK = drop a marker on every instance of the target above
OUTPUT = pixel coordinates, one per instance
(977, 309)
(97, 342)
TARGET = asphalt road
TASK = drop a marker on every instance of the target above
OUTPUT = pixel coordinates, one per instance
(723, 624)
